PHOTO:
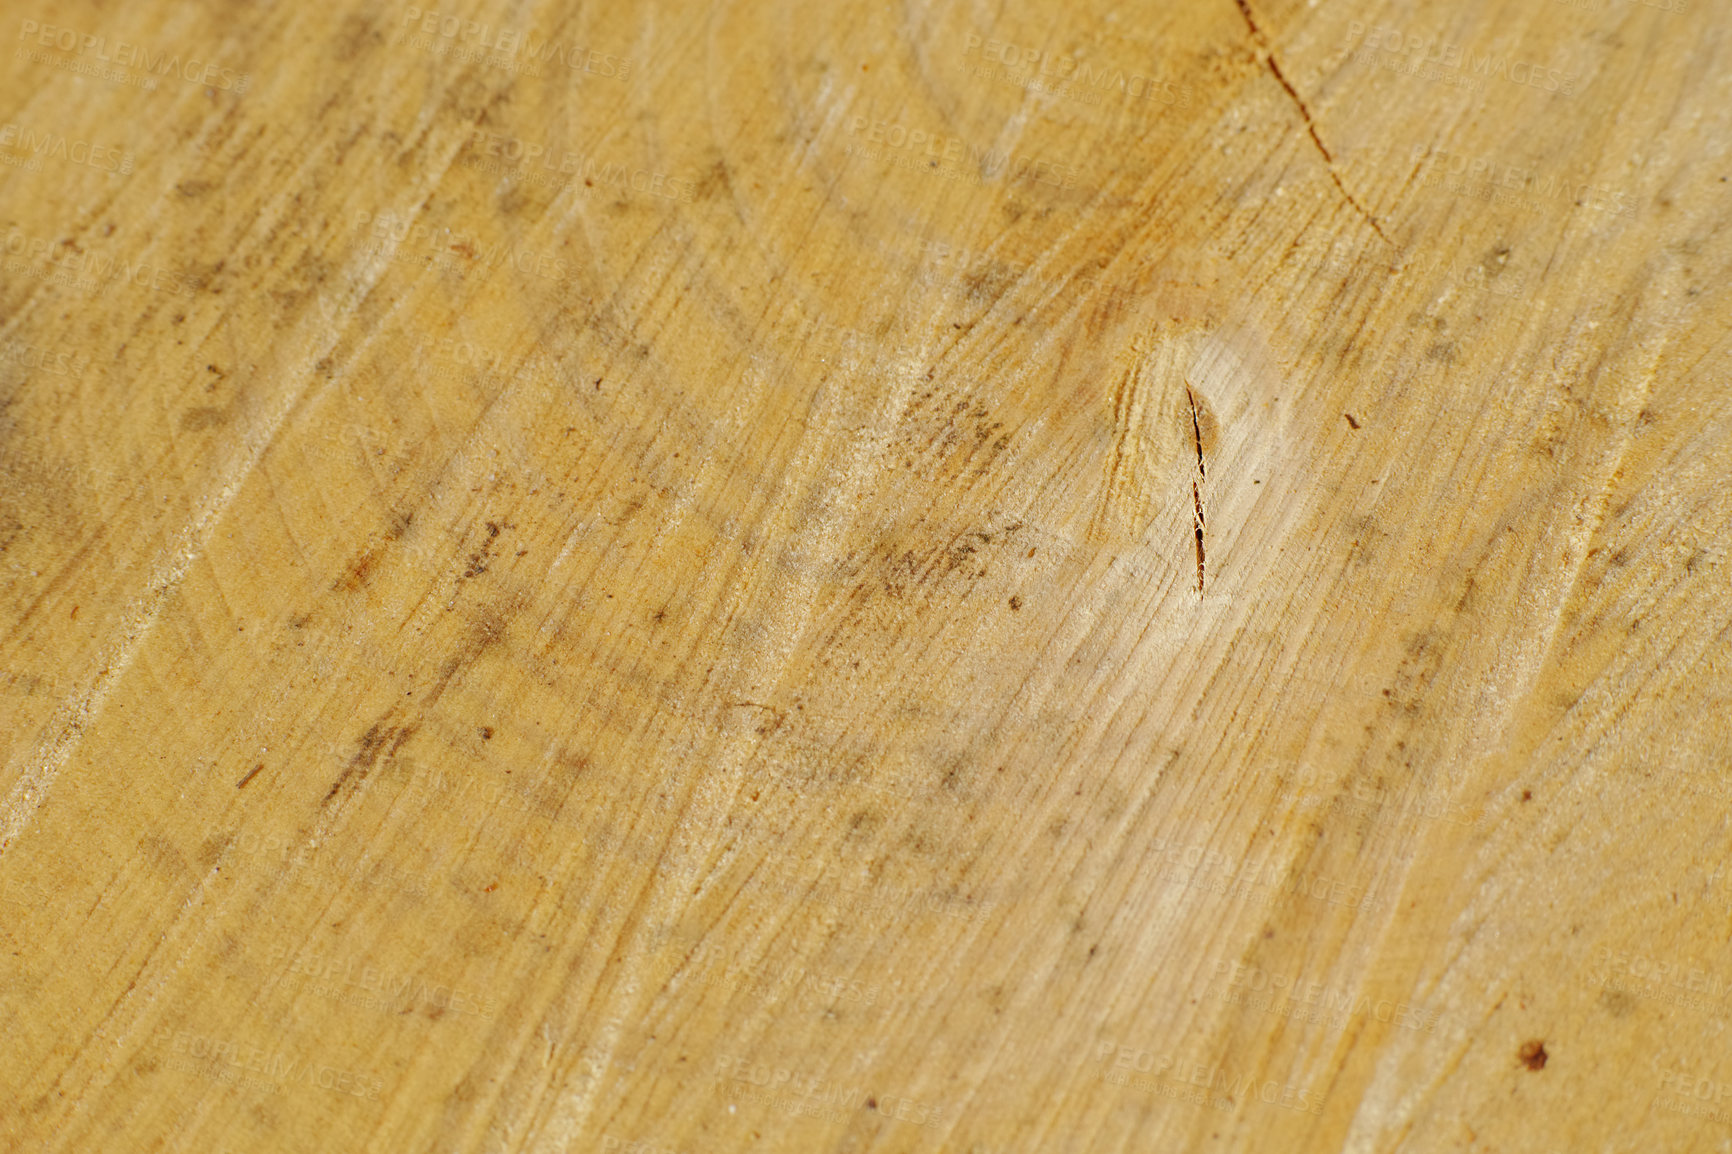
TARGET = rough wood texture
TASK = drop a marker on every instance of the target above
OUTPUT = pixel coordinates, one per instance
(681, 577)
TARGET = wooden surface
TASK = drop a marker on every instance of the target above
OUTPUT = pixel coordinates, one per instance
(754, 576)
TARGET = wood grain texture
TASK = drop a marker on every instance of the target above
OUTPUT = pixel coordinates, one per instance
(716, 576)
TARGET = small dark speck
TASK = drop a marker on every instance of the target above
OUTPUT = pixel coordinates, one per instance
(872, 1103)
(1350, 420)
(486, 733)
(1016, 603)
(1533, 1055)
(1527, 795)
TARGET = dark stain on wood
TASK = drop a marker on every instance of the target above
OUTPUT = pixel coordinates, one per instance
(379, 740)
(358, 574)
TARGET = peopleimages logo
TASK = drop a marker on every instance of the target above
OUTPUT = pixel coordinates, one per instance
(57, 361)
(1436, 59)
(359, 982)
(58, 147)
(934, 148)
(1217, 1086)
(627, 1146)
(415, 242)
(507, 47)
(128, 55)
(1487, 178)
(220, 1058)
(795, 1093)
(1684, 1092)
(1289, 996)
(1072, 76)
(86, 271)
(528, 160)
(1663, 980)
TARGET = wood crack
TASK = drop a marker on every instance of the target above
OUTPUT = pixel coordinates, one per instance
(1197, 525)
(1196, 430)
(1268, 53)
(1196, 491)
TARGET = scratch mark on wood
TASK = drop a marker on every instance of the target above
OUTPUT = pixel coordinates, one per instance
(251, 773)
(764, 730)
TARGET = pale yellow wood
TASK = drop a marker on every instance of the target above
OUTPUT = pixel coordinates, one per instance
(901, 577)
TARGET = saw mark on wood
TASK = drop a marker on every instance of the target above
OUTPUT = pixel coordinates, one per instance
(1268, 52)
